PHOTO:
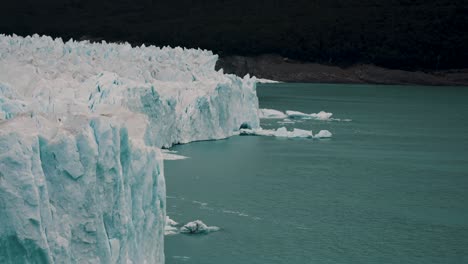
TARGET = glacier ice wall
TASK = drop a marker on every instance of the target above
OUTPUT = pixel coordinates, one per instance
(81, 124)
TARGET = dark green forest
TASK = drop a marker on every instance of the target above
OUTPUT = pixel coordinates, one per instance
(403, 34)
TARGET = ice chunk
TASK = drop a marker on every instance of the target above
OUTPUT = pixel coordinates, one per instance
(271, 114)
(299, 115)
(323, 134)
(170, 222)
(280, 132)
(260, 80)
(286, 121)
(171, 227)
(321, 115)
(198, 227)
(283, 132)
(300, 133)
(275, 114)
(172, 155)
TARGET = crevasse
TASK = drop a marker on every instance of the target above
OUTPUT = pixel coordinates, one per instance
(81, 124)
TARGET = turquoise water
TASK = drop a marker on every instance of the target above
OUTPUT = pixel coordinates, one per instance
(391, 186)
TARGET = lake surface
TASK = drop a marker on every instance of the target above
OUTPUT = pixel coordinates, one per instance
(390, 186)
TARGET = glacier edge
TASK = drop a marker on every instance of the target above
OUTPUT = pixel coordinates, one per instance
(81, 127)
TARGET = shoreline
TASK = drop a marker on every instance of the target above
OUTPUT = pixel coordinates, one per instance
(275, 67)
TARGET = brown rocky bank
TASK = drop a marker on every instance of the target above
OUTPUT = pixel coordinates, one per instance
(278, 68)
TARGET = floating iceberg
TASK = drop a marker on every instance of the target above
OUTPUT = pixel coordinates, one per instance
(299, 115)
(276, 114)
(323, 134)
(81, 127)
(171, 155)
(171, 227)
(271, 114)
(283, 132)
(261, 80)
(285, 121)
(198, 227)
(195, 227)
(280, 132)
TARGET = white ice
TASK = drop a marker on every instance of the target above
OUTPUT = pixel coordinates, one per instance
(198, 227)
(266, 113)
(262, 80)
(271, 114)
(172, 155)
(81, 127)
(323, 134)
(171, 227)
(280, 132)
(283, 132)
(299, 115)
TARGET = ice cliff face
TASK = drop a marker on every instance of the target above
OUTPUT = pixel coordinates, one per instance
(81, 124)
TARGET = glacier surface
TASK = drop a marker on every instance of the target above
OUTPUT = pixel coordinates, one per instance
(81, 127)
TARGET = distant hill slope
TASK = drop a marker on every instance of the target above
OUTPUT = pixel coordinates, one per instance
(277, 68)
(403, 34)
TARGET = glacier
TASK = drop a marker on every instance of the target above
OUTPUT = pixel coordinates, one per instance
(81, 130)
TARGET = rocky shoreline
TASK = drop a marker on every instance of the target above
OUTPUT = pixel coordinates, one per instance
(278, 68)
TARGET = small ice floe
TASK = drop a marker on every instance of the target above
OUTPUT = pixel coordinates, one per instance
(323, 134)
(280, 132)
(341, 120)
(195, 227)
(171, 155)
(266, 113)
(198, 227)
(283, 132)
(286, 121)
(322, 115)
(171, 227)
